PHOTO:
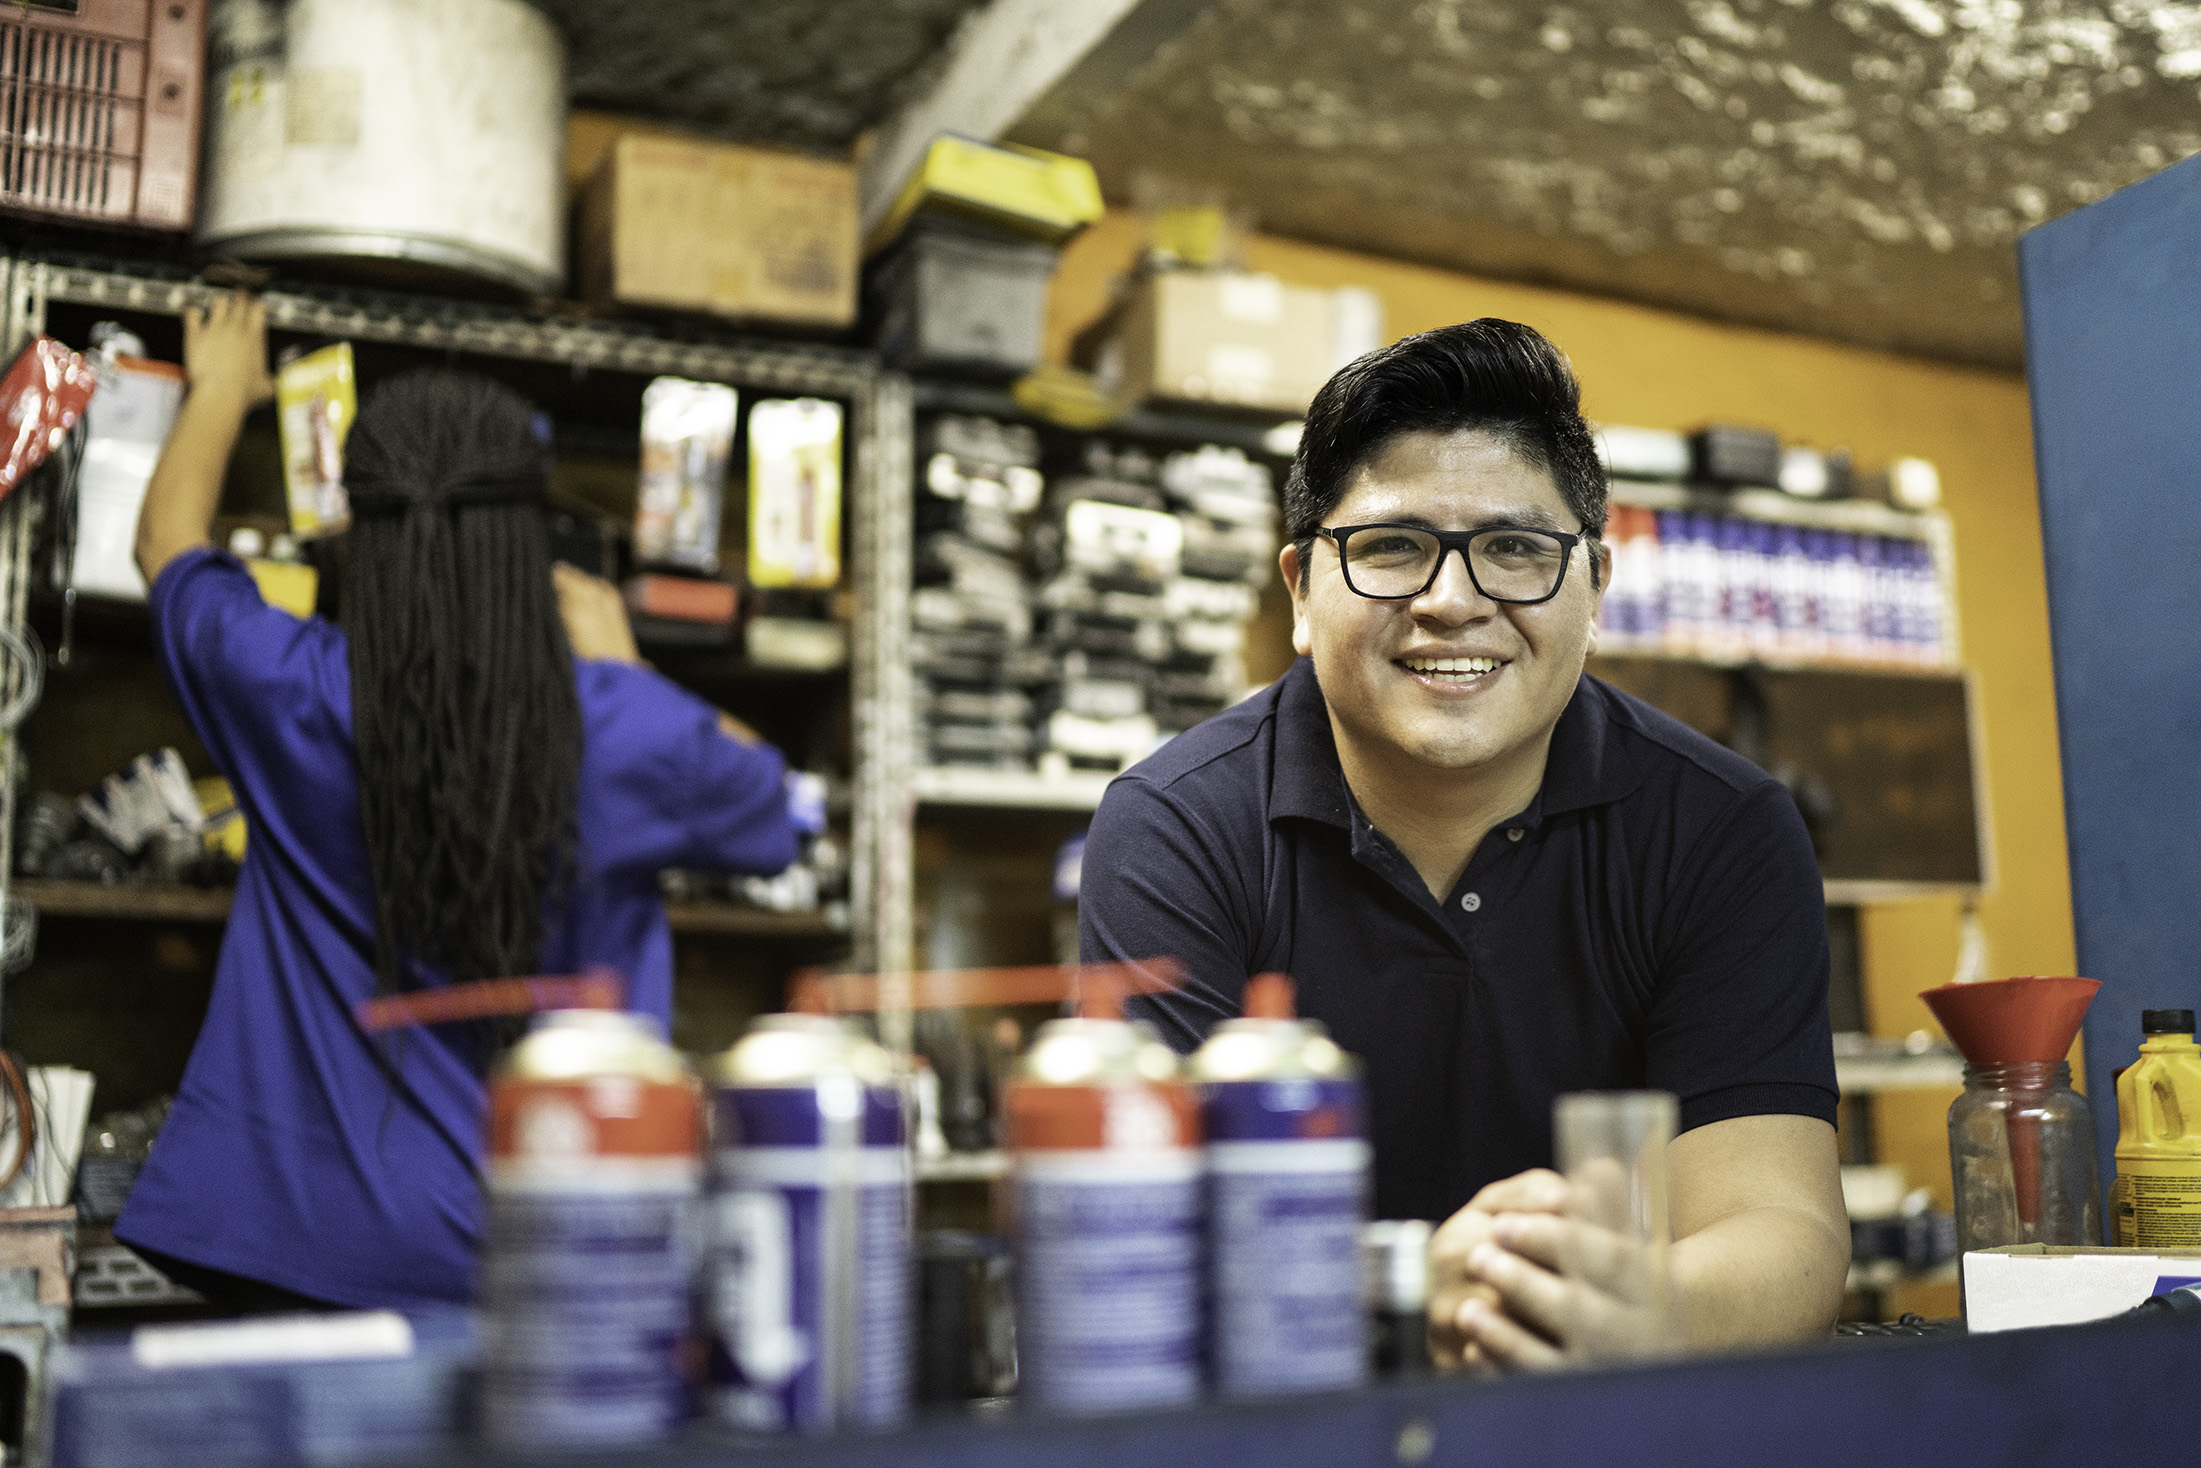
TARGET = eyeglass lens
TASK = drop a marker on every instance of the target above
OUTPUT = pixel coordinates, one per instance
(1509, 565)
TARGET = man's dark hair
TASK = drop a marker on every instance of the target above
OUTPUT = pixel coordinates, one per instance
(464, 709)
(1497, 376)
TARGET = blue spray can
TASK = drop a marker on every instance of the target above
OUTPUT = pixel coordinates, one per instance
(808, 1231)
(1287, 1178)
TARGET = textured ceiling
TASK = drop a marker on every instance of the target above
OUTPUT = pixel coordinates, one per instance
(809, 74)
(1856, 169)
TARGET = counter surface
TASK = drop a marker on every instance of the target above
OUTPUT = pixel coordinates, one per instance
(2081, 1394)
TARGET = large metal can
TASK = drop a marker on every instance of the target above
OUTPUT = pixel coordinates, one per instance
(588, 1281)
(1105, 1138)
(1287, 1173)
(422, 131)
(809, 1230)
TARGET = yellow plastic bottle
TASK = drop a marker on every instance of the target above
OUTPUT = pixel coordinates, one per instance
(2156, 1200)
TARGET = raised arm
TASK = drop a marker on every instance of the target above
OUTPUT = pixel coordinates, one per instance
(225, 362)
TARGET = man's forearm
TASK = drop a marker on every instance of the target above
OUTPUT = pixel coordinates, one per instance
(186, 486)
(1762, 1275)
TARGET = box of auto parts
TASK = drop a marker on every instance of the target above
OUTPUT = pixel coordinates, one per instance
(2023, 1285)
(1224, 337)
(1022, 191)
(744, 233)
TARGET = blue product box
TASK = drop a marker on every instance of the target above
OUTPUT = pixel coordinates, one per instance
(346, 1388)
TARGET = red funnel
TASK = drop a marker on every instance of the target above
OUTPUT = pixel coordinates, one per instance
(2009, 1021)
(2006, 1020)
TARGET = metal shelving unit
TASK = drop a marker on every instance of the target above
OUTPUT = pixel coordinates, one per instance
(879, 442)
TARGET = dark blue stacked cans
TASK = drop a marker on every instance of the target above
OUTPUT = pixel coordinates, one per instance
(808, 1232)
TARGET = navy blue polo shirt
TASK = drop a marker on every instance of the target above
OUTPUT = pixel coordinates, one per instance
(1654, 919)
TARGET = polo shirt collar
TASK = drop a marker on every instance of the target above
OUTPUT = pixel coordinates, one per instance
(1586, 767)
(1307, 781)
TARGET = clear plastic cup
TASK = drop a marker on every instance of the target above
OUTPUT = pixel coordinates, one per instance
(1611, 1147)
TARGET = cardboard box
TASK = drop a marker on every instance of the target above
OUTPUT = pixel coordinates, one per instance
(1222, 337)
(743, 233)
(2024, 1285)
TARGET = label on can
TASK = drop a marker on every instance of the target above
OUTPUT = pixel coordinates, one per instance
(809, 1246)
(2164, 1199)
(1287, 1194)
(588, 1275)
(1108, 1288)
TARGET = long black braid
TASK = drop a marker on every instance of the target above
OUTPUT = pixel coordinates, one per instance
(464, 710)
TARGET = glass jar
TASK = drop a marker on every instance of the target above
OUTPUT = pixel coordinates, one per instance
(2021, 1148)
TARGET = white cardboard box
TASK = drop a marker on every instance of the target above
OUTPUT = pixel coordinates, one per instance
(2023, 1285)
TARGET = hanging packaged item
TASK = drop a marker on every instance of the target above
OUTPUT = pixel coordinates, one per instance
(125, 427)
(687, 438)
(316, 399)
(795, 493)
(42, 397)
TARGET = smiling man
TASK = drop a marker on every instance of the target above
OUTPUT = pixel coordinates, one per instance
(1495, 878)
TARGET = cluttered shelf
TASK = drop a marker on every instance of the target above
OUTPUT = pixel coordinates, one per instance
(130, 901)
(1008, 789)
(169, 902)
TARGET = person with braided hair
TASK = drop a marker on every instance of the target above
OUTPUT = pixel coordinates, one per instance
(469, 775)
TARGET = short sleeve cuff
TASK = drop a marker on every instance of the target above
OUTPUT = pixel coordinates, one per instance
(1759, 1100)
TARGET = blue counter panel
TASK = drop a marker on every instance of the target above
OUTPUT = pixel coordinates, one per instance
(2113, 358)
(2079, 1395)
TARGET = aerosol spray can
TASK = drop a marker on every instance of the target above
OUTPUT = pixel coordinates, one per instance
(809, 1230)
(594, 1166)
(1287, 1177)
(1105, 1138)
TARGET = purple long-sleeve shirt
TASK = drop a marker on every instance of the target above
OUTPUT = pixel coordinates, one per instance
(290, 1156)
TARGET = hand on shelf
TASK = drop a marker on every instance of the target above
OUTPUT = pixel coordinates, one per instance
(225, 350)
(595, 616)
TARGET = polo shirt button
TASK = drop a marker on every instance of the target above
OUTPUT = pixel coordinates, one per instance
(1470, 902)
(1515, 834)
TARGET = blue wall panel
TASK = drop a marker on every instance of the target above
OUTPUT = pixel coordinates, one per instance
(2113, 357)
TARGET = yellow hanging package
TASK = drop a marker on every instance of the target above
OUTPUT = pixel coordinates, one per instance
(316, 398)
(795, 493)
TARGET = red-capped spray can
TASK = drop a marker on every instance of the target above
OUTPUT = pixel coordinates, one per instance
(594, 1166)
(810, 1275)
(1287, 1177)
(1105, 1138)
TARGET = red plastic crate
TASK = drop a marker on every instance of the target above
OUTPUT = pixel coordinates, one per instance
(99, 109)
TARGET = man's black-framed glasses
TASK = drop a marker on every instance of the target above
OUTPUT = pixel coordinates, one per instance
(1512, 563)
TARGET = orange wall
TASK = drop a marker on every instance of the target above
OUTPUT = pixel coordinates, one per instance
(1661, 370)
